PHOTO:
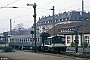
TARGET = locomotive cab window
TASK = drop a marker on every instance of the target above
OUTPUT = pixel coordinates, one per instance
(58, 39)
(55, 39)
(48, 42)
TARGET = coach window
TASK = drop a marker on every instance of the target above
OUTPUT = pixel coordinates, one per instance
(10, 40)
(28, 39)
(38, 39)
(20, 40)
(24, 40)
(15, 40)
(33, 39)
(68, 40)
(87, 39)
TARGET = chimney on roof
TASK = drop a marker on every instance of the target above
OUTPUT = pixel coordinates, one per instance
(42, 16)
(64, 12)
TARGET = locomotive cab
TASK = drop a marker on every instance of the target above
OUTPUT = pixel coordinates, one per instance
(55, 44)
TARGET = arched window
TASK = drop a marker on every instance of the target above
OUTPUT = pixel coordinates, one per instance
(68, 40)
(87, 39)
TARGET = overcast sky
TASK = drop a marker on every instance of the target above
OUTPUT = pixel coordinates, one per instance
(24, 14)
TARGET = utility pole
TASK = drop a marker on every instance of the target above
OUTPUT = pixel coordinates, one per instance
(34, 6)
(53, 25)
(76, 39)
(83, 24)
(10, 27)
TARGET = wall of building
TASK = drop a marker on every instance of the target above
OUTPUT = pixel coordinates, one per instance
(71, 38)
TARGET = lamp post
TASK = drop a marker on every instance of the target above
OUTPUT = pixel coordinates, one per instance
(34, 6)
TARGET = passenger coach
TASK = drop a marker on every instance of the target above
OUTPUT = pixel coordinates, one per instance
(24, 41)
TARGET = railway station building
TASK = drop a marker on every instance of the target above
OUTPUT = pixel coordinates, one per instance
(69, 32)
(66, 20)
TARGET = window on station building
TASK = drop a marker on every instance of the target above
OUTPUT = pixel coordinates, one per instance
(60, 19)
(50, 21)
(87, 39)
(68, 40)
(33, 39)
(67, 18)
(30, 39)
(55, 21)
(64, 18)
(61, 30)
(22, 40)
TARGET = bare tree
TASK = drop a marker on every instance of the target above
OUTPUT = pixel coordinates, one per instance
(19, 28)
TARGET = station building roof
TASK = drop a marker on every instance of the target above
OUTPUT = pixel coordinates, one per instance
(59, 30)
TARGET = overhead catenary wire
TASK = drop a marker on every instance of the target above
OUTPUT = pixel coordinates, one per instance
(48, 3)
(15, 17)
(11, 3)
(62, 9)
(41, 8)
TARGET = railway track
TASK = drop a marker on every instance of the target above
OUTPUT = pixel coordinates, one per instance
(69, 53)
(85, 56)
